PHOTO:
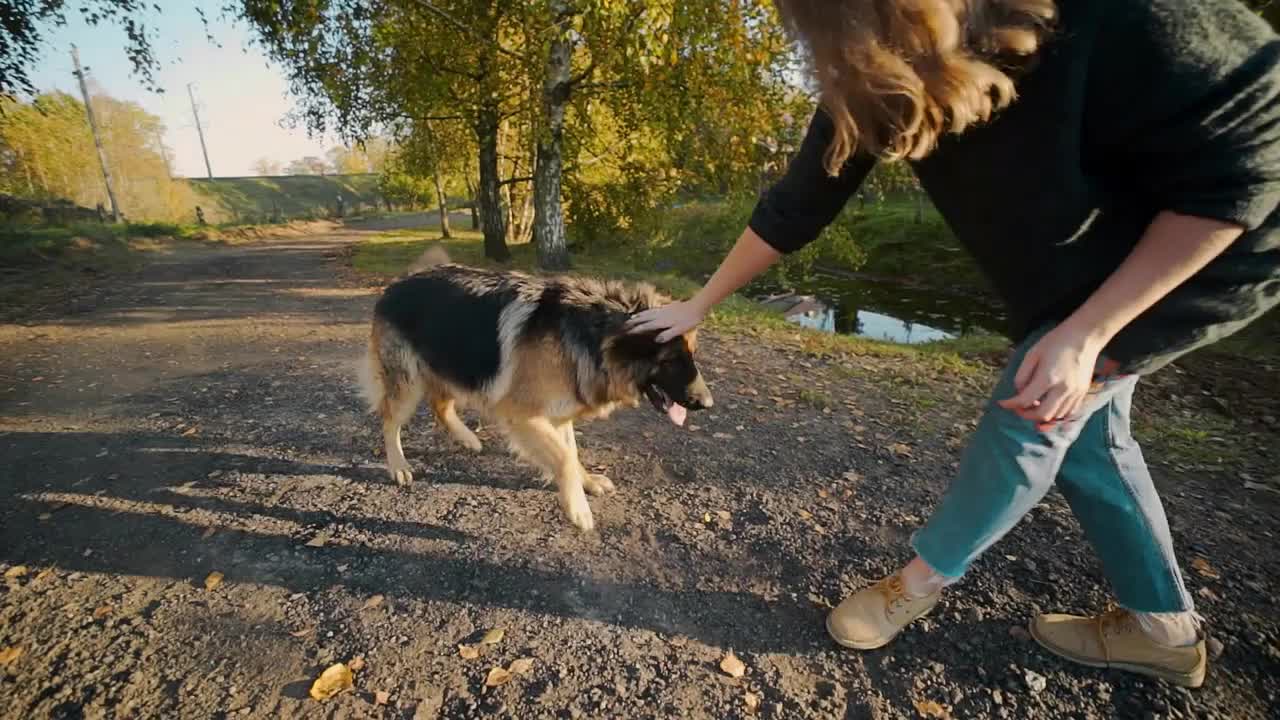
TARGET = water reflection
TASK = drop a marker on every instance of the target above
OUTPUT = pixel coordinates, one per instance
(881, 310)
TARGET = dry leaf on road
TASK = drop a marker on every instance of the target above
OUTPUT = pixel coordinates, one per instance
(356, 664)
(303, 632)
(498, 676)
(9, 654)
(732, 666)
(102, 612)
(493, 637)
(337, 678)
(521, 666)
(16, 571)
(752, 701)
(1203, 567)
(213, 581)
(381, 697)
(373, 602)
(469, 652)
(931, 709)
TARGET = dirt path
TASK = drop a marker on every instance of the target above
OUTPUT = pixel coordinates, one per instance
(199, 417)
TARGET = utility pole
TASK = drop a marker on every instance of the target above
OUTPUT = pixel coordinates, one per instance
(164, 155)
(200, 131)
(97, 141)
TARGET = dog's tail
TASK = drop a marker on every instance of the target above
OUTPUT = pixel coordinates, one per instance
(369, 374)
(432, 256)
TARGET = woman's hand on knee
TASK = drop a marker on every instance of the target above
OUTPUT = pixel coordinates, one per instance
(1055, 375)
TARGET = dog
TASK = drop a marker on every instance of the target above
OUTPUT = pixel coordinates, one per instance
(535, 354)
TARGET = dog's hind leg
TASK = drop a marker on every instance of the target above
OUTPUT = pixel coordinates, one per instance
(544, 444)
(446, 412)
(591, 482)
(398, 405)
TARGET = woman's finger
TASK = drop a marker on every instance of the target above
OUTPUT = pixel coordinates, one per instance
(1034, 389)
(1052, 405)
(1026, 369)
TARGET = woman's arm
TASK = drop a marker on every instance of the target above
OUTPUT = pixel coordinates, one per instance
(749, 257)
(1055, 375)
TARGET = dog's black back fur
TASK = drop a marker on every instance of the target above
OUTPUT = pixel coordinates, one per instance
(453, 327)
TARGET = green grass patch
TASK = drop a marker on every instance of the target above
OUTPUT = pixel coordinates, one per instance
(290, 197)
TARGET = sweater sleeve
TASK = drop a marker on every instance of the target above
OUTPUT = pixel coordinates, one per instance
(1184, 107)
(793, 212)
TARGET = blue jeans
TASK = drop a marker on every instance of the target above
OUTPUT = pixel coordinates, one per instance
(1010, 464)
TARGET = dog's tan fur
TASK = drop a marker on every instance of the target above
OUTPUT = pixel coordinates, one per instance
(544, 385)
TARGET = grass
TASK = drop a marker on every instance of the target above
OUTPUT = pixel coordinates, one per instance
(259, 199)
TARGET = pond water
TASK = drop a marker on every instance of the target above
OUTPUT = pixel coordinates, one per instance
(882, 309)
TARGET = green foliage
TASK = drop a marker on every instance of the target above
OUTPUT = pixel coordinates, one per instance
(47, 154)
(402, 188)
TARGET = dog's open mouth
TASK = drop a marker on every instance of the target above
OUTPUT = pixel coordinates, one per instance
(664, 404)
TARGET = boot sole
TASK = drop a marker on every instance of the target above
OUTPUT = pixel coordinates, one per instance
(1188, 680)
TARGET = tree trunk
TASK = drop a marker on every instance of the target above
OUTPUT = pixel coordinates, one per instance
(491, 213)
(471, 193)
(548, 219)
(444, 205)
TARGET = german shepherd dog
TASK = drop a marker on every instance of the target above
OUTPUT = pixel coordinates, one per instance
(533, 353)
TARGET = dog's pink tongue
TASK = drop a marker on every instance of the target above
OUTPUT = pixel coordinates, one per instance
(677, 413)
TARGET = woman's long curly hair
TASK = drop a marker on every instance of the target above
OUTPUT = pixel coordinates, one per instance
(895, 75)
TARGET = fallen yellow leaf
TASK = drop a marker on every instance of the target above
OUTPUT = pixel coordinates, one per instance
(931, 709)
(469, 652)
(381, 697)
(9, 654)
(213, 581)
(752, 701)
(521, 666)
(806, 515)
(900, 449)
(335, 679)
(356, 664)
(732, 666)
(497, 676)
(16, 571)
(373, 602)
(494, 636)
(1203, 567)
(102, 612)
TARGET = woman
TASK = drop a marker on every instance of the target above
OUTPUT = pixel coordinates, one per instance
(1114, 168)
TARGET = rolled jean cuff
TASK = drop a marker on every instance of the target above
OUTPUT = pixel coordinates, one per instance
(950, 571)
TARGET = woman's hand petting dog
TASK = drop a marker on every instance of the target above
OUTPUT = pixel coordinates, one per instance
(1054, 378)
(673, 320)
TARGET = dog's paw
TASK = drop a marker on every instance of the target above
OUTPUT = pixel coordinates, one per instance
(471, 443)
(598, 484)
(401, 474)
(575, 506)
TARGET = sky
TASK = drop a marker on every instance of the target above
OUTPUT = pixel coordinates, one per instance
(242, 98)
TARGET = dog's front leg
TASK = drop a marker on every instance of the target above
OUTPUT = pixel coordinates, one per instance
(543, 443)
(593, 483)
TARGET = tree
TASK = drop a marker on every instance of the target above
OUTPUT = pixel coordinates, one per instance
(23, 22)
(47, 154)
(309, 165)
(266, 167)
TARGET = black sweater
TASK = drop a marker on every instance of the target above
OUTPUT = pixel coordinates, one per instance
(1135, 106)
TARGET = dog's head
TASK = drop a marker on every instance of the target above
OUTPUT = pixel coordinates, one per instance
(664, 373)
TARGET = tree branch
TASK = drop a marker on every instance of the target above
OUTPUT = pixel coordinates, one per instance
(512, 181)
(466, 29)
